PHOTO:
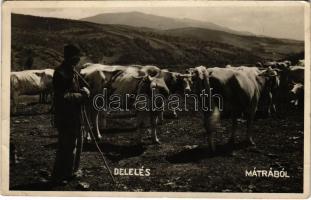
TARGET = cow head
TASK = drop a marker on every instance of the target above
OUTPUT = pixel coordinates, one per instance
(296, 93)
(185, 81)
(158, 84)
(259, 64)
(284, 66)
(46, 80)
(149, 83)
(269, 72)
(177, 82)
(151, 70)
(289, 63)
(200, 80)
(301, 63)
(269, 82)
(153, 86)
(96, 80)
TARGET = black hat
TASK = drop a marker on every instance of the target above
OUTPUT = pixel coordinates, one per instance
(71, 50)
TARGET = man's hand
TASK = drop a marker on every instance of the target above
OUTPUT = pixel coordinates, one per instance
(85, 92)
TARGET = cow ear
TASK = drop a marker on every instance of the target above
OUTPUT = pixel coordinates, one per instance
(263, 73)
(182, 76)
(190, 70)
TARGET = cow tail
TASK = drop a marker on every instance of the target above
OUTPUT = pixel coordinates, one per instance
(214, 118)
(213, 113)
(211, 123)
(97, 124)
(211, 117)
(52, 113)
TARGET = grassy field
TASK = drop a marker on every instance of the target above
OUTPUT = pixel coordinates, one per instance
(182, 162)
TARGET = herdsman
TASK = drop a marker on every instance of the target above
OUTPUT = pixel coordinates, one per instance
(68, 99)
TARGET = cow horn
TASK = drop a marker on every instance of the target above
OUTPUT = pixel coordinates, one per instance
(150, 78)
(184, 75)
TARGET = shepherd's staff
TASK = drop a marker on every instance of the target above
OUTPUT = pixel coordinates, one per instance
(91, 131)
(102, 154)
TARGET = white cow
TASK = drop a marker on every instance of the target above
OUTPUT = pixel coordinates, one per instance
(301, 63)
(30, 82)
(297, 94)
(121, 81)
(240, 91)
(47, 81)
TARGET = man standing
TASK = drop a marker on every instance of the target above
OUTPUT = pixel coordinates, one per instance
(68, 98)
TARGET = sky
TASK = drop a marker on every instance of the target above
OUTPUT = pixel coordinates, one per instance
(272, 21)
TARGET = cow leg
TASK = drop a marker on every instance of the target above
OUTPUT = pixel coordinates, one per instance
(85, 128)
(233, 130)
(145, 118)
(175, 114)
(52, 108)
(273, 109)
(93, 118)
(211, 121)
(154, 129)
(88, 137)
(161, 118)
(15, 102)
(104, 119)
(45, 97)
(209, 133)
(40, 97)
(249, 129)
(140, 126)
(14, 105)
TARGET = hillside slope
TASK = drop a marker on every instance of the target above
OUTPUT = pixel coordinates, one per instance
(117, 44)
(264, 46)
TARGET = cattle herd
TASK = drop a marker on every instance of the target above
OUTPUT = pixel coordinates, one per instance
(245, 91)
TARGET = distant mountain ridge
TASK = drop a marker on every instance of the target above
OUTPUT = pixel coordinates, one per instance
(175, 49)
(139, 19)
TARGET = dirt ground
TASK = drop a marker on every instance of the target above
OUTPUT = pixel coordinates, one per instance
(182, 162)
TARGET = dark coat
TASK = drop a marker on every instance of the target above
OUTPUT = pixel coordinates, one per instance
(67, 97)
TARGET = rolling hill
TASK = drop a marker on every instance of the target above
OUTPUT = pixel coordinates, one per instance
(121, 44)
(264, 46)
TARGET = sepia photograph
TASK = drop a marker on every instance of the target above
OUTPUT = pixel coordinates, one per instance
(155, 97)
